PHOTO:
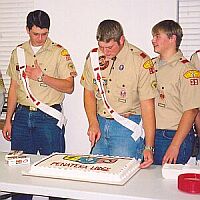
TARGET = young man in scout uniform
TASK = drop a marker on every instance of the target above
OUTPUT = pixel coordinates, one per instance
(41, 72)
(119, 85)
(177, 100)
(195, 60)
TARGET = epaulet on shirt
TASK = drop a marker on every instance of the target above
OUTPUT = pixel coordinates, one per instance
(143, 55)
(184, 61)
(198, 51)
(19, 45)
(88, 56)
(58, 45)
(94, 50)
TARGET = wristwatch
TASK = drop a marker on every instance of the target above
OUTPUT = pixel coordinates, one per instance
(40, 78)
(149, 148)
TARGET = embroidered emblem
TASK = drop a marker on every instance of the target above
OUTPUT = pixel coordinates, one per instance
(150, 66)
(194, 81)
(154, 84)
(121, 67)
(70, 65)
(161, 101)
(123, 93)
(192, 74)
(103, 62)
(121, 100)
(64, 52)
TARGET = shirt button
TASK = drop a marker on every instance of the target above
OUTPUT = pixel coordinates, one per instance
(110, 79)
(108, 91)
(104, 112)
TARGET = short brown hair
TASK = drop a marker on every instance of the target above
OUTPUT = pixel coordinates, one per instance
(108, 30)
(171, 28)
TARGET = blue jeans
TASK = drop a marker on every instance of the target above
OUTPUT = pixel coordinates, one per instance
(163, 139)
(198, 155)
(116, 139)
(36, 131)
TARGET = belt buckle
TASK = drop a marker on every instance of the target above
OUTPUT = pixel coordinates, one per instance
(31, 108)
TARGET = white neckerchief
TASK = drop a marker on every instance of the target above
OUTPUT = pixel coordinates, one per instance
(43, 107)
(137, 129)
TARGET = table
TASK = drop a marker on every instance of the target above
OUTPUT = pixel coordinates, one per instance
(147, 184)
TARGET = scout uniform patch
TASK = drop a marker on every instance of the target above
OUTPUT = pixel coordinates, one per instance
(193, 76)
(161, 101)
(150, 66)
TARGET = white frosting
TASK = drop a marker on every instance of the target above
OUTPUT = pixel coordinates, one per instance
(105, 169)
(172, 171)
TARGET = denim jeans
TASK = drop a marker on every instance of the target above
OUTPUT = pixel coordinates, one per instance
(116, 139)
(33, 132)
(163, 139)
(198, 155)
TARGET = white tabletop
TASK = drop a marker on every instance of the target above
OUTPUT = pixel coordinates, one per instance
(147, 184)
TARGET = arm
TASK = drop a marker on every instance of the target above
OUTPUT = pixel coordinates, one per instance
(62, 85)
(148, 117)
(184, 127)
(12, 101)
(91, 112)
(197, 123)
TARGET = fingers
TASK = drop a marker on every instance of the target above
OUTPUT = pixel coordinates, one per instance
(169, 160)
(146, 164)
(7, 135)
(94, 136)
(148, 159)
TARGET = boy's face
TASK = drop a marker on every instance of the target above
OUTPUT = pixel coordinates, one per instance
(161, 42)
(112, 48)
(37, 35)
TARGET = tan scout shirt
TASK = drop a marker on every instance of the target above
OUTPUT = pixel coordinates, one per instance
(195, 59)
(178, 86)
(128, 79)
(54, 61)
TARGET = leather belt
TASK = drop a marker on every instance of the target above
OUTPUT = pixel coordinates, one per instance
(126, 115)
(31, 108)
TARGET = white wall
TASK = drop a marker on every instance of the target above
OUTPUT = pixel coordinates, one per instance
(74, 23)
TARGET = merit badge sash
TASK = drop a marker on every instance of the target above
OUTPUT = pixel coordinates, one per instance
(43, 107)
(137, 129)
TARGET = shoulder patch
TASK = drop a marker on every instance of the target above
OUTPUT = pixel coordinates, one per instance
(143, 55)
(192, 74)
(148, 64)
(64, 52)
